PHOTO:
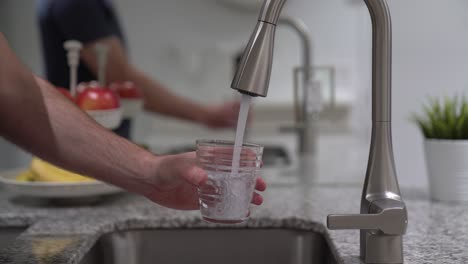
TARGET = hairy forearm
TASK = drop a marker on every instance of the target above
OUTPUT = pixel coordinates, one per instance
(36, 117)
(157, 97)
(92, 149)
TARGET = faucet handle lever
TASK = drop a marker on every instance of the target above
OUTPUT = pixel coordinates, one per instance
(353, 221)
(390, 221)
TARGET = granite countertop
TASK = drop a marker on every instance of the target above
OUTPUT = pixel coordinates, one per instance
(60, 234)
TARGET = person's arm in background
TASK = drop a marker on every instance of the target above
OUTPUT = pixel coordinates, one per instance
(38, 118)
(158, 98)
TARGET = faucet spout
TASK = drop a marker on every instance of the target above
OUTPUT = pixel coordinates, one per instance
(254, 71)
(271, 11)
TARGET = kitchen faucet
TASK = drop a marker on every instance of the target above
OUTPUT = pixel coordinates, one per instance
(383, 218)
(306, 120)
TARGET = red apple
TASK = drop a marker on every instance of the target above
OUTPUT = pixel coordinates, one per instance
(66, 93)
(127, 90)
(97, 99)
(85, 85)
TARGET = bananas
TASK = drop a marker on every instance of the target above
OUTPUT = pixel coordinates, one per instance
(26, 176)
(45, 172)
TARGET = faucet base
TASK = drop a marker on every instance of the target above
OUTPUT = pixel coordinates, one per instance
(383, 249)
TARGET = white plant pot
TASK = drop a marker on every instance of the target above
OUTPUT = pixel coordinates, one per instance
(447, 166)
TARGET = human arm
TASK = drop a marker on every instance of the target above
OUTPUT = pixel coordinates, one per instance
(158, 98)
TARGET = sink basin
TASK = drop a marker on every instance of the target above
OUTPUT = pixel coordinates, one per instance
(211, 246)
(7, 235)
(273, 155)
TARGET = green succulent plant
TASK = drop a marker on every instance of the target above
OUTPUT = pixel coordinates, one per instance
(444, 119)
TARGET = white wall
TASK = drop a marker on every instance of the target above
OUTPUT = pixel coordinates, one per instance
(430, 58)
(17, 22)
(185, 44)
(188, 45)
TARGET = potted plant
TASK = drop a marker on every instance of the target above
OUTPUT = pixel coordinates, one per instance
(445, 128)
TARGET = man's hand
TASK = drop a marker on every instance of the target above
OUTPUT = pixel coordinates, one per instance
(176, 179)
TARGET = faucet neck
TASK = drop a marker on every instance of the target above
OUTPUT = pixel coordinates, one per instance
(381, 179)
(381, 60)
(271, 11)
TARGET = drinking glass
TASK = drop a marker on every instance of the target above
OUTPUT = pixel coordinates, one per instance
(226, 196)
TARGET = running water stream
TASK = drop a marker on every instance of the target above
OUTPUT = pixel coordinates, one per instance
(240, 131)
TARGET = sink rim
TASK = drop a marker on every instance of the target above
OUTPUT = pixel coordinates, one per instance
(312, 227)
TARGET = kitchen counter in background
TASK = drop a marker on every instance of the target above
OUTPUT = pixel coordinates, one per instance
(436, 232)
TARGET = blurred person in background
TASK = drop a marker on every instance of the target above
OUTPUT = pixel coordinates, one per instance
(96, 21)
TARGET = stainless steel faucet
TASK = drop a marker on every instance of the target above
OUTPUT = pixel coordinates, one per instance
(306, 121)
(383, 219)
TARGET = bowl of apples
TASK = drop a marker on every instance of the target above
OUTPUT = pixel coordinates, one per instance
(101, 103)
(131, 98)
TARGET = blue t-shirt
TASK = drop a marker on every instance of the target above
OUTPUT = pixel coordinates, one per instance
(82, 20)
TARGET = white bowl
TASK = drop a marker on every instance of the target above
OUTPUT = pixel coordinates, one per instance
(131, 107)
(110, 119)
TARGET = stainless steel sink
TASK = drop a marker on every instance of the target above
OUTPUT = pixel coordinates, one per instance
(211, 246)
(273, 155)
(7, 235)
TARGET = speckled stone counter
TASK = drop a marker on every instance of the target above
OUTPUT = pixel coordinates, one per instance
(437, 232)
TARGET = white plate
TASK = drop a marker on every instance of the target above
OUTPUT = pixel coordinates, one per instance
(54, 189)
